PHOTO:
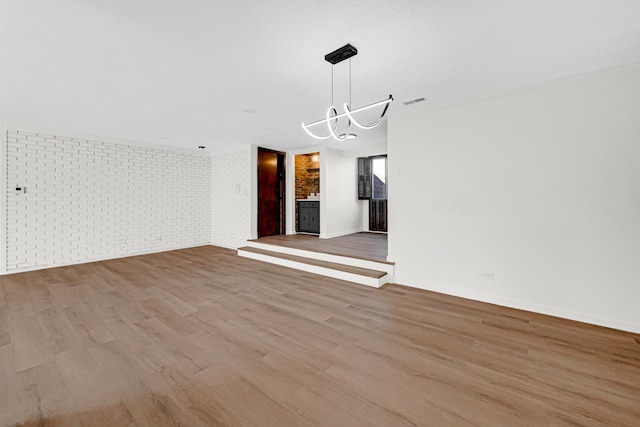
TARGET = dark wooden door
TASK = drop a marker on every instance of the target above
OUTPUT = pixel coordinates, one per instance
(271, 192)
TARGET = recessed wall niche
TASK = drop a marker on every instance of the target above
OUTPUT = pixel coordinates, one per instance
(307, 175)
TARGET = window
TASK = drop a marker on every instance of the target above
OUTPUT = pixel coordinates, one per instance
(379, 181)
(372, 178)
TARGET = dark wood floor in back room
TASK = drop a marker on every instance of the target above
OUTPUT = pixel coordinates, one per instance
(202, 337)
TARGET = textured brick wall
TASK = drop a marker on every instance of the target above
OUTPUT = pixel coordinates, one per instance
(313, 173)
(89, 200)
(302, 190)
(307, 174)
(231, 197)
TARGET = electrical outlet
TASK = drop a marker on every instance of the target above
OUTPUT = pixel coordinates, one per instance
(487, 276)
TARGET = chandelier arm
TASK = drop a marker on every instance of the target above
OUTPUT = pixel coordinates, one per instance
(332, 131)
(321, 121)
(357, 123)
(349, 113)
(312, 135)
(357, 110)
(348, 131)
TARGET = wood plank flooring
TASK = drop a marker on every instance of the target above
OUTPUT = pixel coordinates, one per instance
(369, 246)
(202, 337)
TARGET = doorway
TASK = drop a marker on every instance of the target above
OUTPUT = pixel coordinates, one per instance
(372, 186)
(307, 192)
(378, 202)
(271, 192)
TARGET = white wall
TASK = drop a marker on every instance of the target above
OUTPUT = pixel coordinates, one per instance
(340, 210)
(233, 191)
(539, 186)
(90, 198)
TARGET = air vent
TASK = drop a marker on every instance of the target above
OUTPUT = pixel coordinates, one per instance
(413, 101)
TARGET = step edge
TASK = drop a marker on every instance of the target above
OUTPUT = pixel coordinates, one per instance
(327, 272)
(338, 259)
(376, 273)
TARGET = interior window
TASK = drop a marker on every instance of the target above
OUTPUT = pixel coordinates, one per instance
(379, 170)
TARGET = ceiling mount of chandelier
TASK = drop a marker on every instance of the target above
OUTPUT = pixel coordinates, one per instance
(332, 117)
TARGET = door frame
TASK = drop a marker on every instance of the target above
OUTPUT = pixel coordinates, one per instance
(379, 204)
(281, 168)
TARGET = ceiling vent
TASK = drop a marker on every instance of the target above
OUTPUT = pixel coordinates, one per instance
(413, 101)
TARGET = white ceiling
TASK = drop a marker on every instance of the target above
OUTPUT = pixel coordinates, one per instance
(184, 72)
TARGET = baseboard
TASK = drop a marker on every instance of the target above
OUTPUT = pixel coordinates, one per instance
(222, 245)
(540, 309)
(48, 266)
(341, 233)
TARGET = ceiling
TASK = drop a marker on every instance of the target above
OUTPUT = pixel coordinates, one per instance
(225, 73)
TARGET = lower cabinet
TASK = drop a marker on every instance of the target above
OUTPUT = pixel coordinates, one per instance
(309, 217)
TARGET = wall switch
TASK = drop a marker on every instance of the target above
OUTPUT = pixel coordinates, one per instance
(487, 276)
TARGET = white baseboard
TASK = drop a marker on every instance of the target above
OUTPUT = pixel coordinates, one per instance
(537, 308)
(88, 261)
(222, 245)
(341, 233)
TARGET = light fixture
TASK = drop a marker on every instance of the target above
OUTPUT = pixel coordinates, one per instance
(332, 117)
(347, 136)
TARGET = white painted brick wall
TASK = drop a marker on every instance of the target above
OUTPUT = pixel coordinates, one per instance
(89, 200)
(231, 197)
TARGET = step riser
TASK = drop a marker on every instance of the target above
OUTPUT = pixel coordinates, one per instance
(336, 274)
(354, 262)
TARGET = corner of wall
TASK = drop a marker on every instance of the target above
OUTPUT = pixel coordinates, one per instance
(253, 194)
(3, 199)
(233, 191)
(290, 186)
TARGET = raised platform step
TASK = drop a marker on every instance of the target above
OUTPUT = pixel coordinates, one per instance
(309, 261)
(386, 266)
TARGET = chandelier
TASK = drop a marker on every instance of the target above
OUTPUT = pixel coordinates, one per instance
(332, 117)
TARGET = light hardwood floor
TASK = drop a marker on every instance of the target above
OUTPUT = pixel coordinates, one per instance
(202, 337)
